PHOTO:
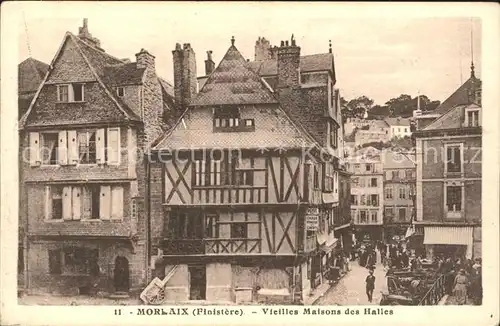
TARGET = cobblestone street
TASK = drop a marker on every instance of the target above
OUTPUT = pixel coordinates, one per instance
(351, 289)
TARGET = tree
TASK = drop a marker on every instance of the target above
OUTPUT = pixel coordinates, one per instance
(378, 112)
(357, 107)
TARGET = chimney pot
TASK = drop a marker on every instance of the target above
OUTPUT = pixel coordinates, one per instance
(282, 43)
(286, 43)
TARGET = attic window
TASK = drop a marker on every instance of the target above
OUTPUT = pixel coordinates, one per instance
(70, 93)
(228, 119)
(120, 91)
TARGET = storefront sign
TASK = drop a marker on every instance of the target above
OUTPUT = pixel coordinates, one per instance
(312, 219)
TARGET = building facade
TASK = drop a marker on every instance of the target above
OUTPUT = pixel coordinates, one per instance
(367, 190)
(399, 127)
(244, 193)
(449, 175)
(82, 186)
(399, 193)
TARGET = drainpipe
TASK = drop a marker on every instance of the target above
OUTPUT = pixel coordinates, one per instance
(148, 216)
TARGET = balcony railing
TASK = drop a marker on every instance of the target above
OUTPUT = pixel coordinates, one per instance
(211, 246)
(232, 246)
(183, 247)
(437, 290)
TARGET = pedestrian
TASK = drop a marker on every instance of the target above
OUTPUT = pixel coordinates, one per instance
(460, 287)
(370, 285)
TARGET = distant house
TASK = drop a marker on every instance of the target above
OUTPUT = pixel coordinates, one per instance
(399, 127)
(30, 75)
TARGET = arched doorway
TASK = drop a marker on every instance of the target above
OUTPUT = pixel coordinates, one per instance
(121, 274)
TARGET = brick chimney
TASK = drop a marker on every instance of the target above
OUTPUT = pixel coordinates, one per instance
(209, 64)
(145, 60)
(184, 74)
(83, 33)
(262, 49)
(288, 64)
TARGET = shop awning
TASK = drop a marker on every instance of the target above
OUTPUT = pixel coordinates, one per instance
(342, 226)
(329, 244)
(448, 235)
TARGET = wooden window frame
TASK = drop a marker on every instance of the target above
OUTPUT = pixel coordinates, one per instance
(42, 146)
(88, 146)
(122, 89)
(457, 214)
(446, 159)
(70, 93)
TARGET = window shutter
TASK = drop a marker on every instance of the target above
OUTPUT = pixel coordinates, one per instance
(62, 148)
(72, 147)
(34, 150)
(100, 146)
(217, 172)
(105, 203)
(66, 203)
(48, 203)
(324, 186)
(113, 147)
(202, 177)
(77, 203)
(117, 203)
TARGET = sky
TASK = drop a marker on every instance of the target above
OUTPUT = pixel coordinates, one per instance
(377, 54)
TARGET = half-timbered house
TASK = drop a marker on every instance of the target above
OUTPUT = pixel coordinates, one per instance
(243, 187)
(83, 199)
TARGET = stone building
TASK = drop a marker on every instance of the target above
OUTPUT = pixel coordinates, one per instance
(241, 210)
(399, 127)
(399, 192)
(448, 184)
(367, 189)
(82, 189)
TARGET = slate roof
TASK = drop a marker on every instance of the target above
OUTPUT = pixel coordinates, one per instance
(112, 72)
(123, 74)
(460, 96)
(30, 75)
(397, 121)
(308, 63)
(233, 82)
(273, 129)
(451, 119)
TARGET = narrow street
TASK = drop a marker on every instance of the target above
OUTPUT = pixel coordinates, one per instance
(351, 288)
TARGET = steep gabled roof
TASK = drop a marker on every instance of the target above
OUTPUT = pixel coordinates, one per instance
(123, 74)
(97, 61)
(31, 73)
(273, 129)
(308, 63)
(460, 96)
(233, 82)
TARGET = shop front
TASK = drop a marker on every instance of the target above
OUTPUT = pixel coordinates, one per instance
(448, 241)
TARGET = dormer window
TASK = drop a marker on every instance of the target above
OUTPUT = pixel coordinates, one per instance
(120, 91)
(228, 119)
(70, 93)
(472, 117)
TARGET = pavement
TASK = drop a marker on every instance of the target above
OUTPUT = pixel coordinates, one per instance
(351, 290)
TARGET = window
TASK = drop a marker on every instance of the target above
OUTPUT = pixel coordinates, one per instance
(354, 182)
(373, 182)
(80, 261)
(353, 214)
(374, 216)
(227, 119)
(56, 204)
(333, 135)
(402, 193)
(399, 129)
(454, 198)
(402, 214)
(363, 217)
(453, 158)
(249, 122)
(363, 200)
(472, 118)
(362, 182)
(70, 93)
(388, 193)
(244, 178)
(316, 177)
(401, 174)
(373, 200)
(389, 212)
(329, 177)
(120, 91)
(354, 199)
(211, 226)
(92, 208)
(395, 175)
(368, 167)
(87, 147)
(49, 150)
(239, 230)
(406, 129)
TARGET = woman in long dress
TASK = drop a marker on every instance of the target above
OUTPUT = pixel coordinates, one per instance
(460, 287)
